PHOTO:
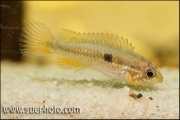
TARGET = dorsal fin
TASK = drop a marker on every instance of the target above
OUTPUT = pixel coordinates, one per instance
(98, 38)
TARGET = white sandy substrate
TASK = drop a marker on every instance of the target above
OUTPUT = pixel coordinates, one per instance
(29, 85)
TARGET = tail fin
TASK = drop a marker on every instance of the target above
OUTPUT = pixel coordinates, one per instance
(35, 39)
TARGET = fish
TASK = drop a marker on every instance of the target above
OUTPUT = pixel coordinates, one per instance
(112, 55)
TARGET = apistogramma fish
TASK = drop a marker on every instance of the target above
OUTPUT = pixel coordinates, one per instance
(108, 54)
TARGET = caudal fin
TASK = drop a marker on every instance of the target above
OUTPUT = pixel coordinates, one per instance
(35, 39)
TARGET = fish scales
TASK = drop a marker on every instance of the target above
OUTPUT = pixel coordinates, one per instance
(93, 52)
(106, 53)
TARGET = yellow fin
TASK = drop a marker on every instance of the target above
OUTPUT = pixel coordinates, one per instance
(106, 39)
(67, 62)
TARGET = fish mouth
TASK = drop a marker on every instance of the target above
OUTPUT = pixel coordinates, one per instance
(157, 80)
(154, 82)
(160, 81)
(146, 82)
(142, 80)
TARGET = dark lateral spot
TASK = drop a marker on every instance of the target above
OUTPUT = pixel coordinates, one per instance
(108, 57)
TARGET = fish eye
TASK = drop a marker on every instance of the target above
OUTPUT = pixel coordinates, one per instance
(150, 73)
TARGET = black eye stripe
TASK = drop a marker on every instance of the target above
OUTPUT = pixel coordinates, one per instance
(108, 57)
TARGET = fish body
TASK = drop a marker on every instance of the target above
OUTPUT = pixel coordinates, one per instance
(108, 54)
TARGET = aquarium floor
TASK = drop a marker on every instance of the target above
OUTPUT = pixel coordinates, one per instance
(30, 86)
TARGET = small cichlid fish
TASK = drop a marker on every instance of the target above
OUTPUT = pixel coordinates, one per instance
(108, 54)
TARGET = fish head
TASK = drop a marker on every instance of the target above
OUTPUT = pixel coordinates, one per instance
(146, 74)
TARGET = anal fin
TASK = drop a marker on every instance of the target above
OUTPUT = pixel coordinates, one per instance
(69, 63)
